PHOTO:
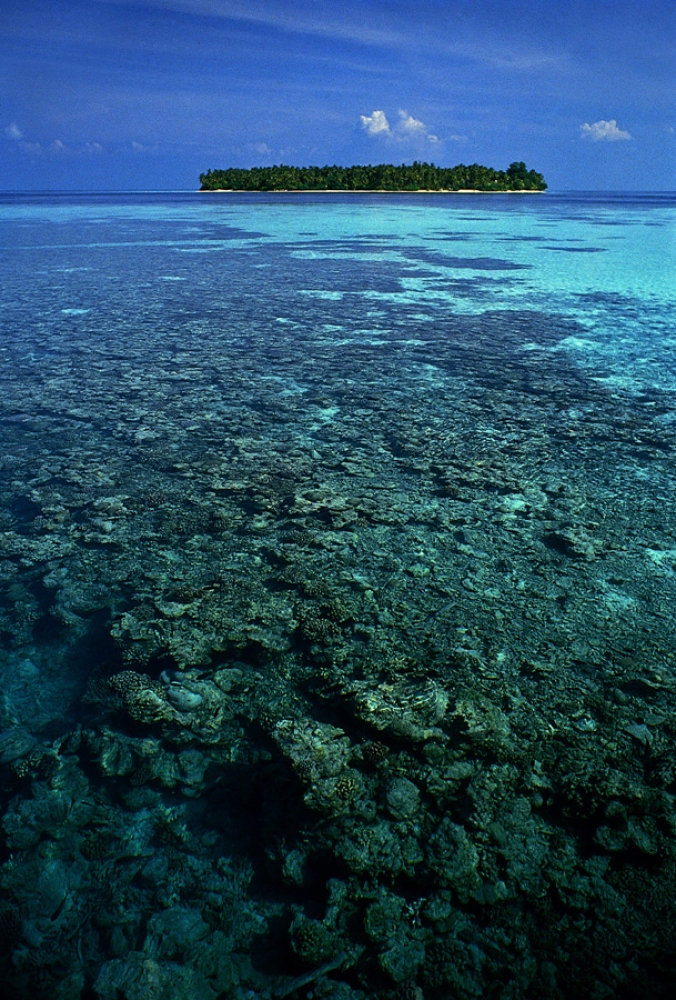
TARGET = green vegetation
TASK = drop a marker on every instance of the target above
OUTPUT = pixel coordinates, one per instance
(382, 177)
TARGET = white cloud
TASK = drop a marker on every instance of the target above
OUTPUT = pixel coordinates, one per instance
(413, 127)
(603, 131)
(376, 124)
(407, 128)
(256, 149)
(410, 125)
(13, 131)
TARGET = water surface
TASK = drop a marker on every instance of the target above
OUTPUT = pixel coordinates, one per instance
(337, 590)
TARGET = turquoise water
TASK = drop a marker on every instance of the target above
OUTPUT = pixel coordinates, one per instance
(337, 586)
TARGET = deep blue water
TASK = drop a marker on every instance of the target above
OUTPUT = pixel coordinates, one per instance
(337, 591)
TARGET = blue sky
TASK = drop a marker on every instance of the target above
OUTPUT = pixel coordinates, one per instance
(124, 94)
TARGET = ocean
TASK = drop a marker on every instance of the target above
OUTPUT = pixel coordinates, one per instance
(337, 596)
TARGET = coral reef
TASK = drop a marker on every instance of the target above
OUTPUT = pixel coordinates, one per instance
(337, 631)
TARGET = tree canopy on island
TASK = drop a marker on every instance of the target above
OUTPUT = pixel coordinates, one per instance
(382, 177)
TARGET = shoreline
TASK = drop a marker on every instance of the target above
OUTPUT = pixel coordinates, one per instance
(363, 191)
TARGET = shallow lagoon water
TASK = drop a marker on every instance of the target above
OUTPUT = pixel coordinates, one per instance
(338, 576)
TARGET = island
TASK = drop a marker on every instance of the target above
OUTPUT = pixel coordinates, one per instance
(382, 177)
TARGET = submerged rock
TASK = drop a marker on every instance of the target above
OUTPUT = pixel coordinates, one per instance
(404, 708)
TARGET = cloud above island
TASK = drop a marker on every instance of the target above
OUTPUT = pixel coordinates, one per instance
(406, 128)
(376, 123)
(604, 131)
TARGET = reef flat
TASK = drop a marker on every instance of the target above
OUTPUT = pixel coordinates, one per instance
(337, 622)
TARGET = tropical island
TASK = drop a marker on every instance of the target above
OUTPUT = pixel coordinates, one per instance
(382, 177)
